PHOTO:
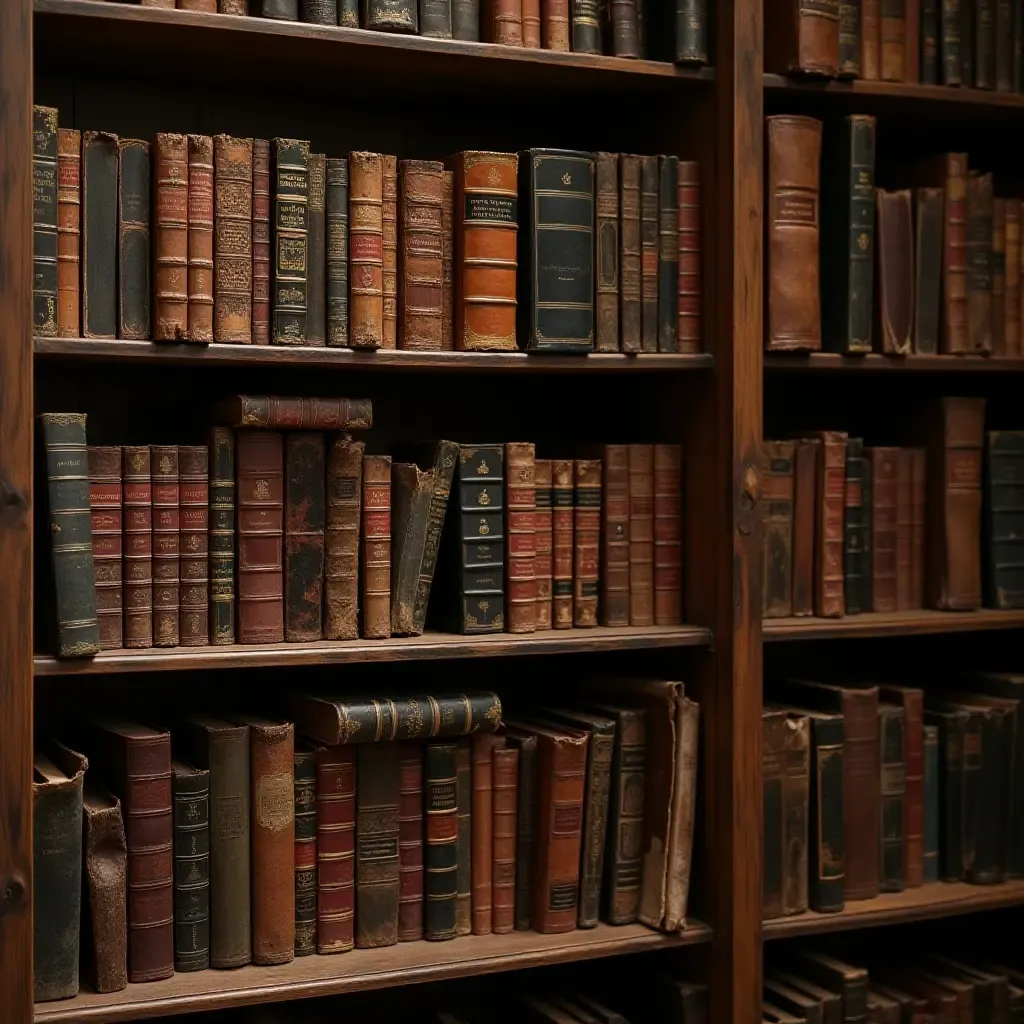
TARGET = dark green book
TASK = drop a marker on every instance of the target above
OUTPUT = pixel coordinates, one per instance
(222, 535)
(892, 746)
(930, 42)
(931, 803)
(441, 845)
(1003, 544)
(305, 851)
(950, 28)
(826, 851)
(855, 518)
(952, 724)
(849, 39)
(985, 14)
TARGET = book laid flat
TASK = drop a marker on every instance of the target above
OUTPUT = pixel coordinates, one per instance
(276, 413)
(335, 848)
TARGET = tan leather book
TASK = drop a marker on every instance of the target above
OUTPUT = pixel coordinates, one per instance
(828, 572)
(544, 541)
(505, 772)
(483, 746)
(377, 546)
(521, 540)
(421, 267)
(502, 22)
(1011, 306)
(554, 24)
(562, 542)
(805, 500)
(895, 270)
(260, 241)
(688, 333)
(170, 237)
(341, 545)
(69, 231)
(801, 38)
(615, 537)
(389, 274)
(641, 534)
(531, 24)
(884, 528)
(200, 238)
(366, 250)
(447, 262)
(166, 546)
(232, 244)
(606, 262)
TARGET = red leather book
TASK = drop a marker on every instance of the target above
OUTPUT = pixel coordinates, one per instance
(260, 242)
(561, 541)
(194, 486)
(586, 540)
(200, 238)
(166, 545)
(296, 413)
(829, 599)
(615, 537)
(410, 842)
(336, 848)
(260, 462)
(170, 237)
(138, 548)
(884, 500)
(505, 772)
(918, 484)
(482, 825)
(543, 540)
(105, 506)
(668, 528)
(641, 534)
(304, 537)
(688, 335)
(377, 546)
(305, 851)
(904, 517)
(502, 22)
(912, 702)
(520, 504)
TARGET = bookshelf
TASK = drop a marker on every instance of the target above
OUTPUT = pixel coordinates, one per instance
(877, 624)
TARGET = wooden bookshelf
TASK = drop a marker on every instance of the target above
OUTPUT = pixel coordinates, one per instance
(361, 970)
(875, 624)
(875, 362)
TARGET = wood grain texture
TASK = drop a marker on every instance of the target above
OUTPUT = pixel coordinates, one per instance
(909, 623)
(16, 390)
(835, 362)
(361, 970)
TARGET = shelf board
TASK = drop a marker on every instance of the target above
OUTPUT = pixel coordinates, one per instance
(937, 899)
(429, 647)
(875, 362)
(362, 969)
(871, 624)
(158, 353)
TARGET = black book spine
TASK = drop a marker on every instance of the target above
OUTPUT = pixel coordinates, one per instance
(133, 214)
(691, 32)
(892, 749)
(337, 252)
(972, 783)
(191, 869)
(441, 849)
(466, 20)
(952, 73)
(930, 42)
(1004, 519)
(290, 245)
(44, 221)
(305, 852)
(668, 252)
(826, 856)
(320, 12)
(378, 792)
(854, 517)
(282, 10)
(985, 779)
(931, 803)
(99, 235)
(849, 38)
(952, 726)
(222, 536)
(1004, 44)
(525, 826)
(985, 14)
(586, 27)
(648, 254)
(1017, 51)
(436, 18)
(391, 15)
(316, 298)
(968, 53)
(445, 458)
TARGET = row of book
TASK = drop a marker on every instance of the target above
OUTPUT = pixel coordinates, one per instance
(946, 254)
(620, 29)
(944, 799)
(850, 529)
(257, 242)
(224, 841)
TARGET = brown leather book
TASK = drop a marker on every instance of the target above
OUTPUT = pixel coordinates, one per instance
(316, 279)
(828, 572)
(366, 250)
(447, 261)
(912, 702)
(531, 24)
(105, 506)
(641, 534)
(688, 333)
(502, 22)
(260, 242)
(904, 517)
(421, 270)
(410, 842)
(260, 463)
(483, 746)
(505, 775)
(341, 554)
(232, 243)
(870, 39)
(912, 43)
(377, 851)
(464, 855)
(376, 546)
(802, 38)
(777, 491)
(999, 264)
(304, 536)
(648, 254)
(554, 24)
(166, 546)
(543, 541)
(630, 255)
(1011, 308)
(615, 537)
(805, 503)
(200, 238)
(170, 237)
(895, 270)
(956, 435)
(606, 262)
(586, 541)
(561, 541)
(892, 65)
(389, 268)
(194, 543)
(884, 527)
(69, 231)
(138, 547)
(267, 411)
(520, 503)
(335, 848)
(928, 257)
(792, 215)
(979, 262)
(918, 490)
(305, 851)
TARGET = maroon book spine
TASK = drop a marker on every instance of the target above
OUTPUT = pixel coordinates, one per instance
(505, 772)
(668, 547)
(260, 242)
(304, 536)
(194, 477)
(166, 545)
(138, 548)
(335, 849)
(105, 506)
(410, 842)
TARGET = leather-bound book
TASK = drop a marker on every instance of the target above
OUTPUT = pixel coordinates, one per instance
(170, 237)
(466, 20)
(892, 28)
(999, 277)
(238, 7)
(260, 242)
(521, 541)
(884, 527)
(951, 722)
(304, 769)
(870, 39)
(829, 1002)
(390, 15)
(855, 525)
(525, 745)
(304, 536)
(410, 842)
(232, 241)
(979, 262)
(980, 19)
(794, 1001)
(260, 525)
(668, 253)
(377, 844)
(1011, 314)
(289, 176)
(794, 305)
(586, 541)
(464, 869)
(649, 254)
(105, 512)
(348, 13)
(336, 251)
(69, 231)
(891, 744)
(283, 10)
(138, 547)
(420, 279)
(502, 21)
(505, 777)
(263, 411)
(918, 510)
(630, 254)
(335, 849)
(668, 525)
(848, 228)
(166, 546)
(606, 259)
(316, 296)
(221, 541)
(441, 843)
(389, 237)
(778, 529)
(930, 73)
(99, 238)
(555, 34)
(447, 261)
(483, 746)
(366, 250)
(69, 525)
(133, 250)
(615, 537)
(194, 524)
(341, 553)
(586, 28)
(562, 547)
(802, 38)
(191, 791)
(849, 39)
(904, 526)
(641, 534)
(954, 502)
(895, 271)
(829, 539)
(44, 221)
(805, 502)
(826, 850)
(376, 546)
(1007, 55)
(688, 332)
(57, 866)
(928, 256)
(436, 19)
(911, 701)
(936, 1001)
(200, 238)
(104, 942)
(691, 32)
(1004, 519)
(930, 849)
(319, 12)
(543, 526)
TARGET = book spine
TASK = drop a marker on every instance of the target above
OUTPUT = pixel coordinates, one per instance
(133, 212)
(283, 10)
(853, 527)
(562, 542)
(44, 221)
(410, 842)
(337, 252)
(170, 238)
(200, 238)
(341, 563)
(984, 28)
(914, 807)
(466, 20)
(918, 510)
(391, 16)
(904, 515)
(951, 795)
(222, 535)
(316, 270)
(641, 534)
(1003, 508)
(260, 242)
(444, 470)
(191, 870)
(912, 41)
(544, 542)
(290, 242)
(237, 7)
(826, 854)
(668, 548)
(954, 257)
(389, 253)
(884, 528)
(795, 795)
(861, 803)
(348, 13)
(649, 253)
(436, 19)
(335, 849)
(138, 548)
(930, 74)
(69, 231)
(305, 852)
(778, 529)
(99, 235)
(615, 537)
(377, 845)
(441, 845)
(805, 489)
(319, 12)
(772, 766)
(688, 332)
(980, 271)
(482, 747)
(104, 923)
(525, 827)
(930, 852)
(232, 242)
(1011, 315)
(447, 262)
(623, 874)
(892, 66)
(298, 413)
(411, 494)
(691, 32)
(105, 512)
(504, 20)
(870, 39)
(377, 546)
(893, 765)
(194, 544)
(366, 250)
(606, 261)
(1003, 42)
(166, 546)
(828, 580)
(849, 39)
(421, 274)
(668, 253)
(520, 503)
(505, 769)
(464, 864)
(950, 25)
(586, 29)
(586, 541)
(304, 536)
(928, 250)
(600, 751)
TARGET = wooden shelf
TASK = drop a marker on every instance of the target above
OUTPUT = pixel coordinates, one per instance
(913, 623)
(155, 353)
(429, 647)
(875, 362)
(362, 969)
(938, 899)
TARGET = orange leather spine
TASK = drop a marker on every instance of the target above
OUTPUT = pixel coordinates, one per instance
(505, 769)
(170, 238)
(69, 231)
(482, 825)
(200, 238)
(366, 250)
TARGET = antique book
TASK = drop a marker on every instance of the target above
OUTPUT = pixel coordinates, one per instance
(979, 261)
(304, 536)
(260, 525)
(304, 775)
(891, 746)
(831, 1003)
(316, 257)
(543, 567)
(104, 935)
(930, 853)
(630, 254)
(285, 10)
(998, 276)
(586, 540)
(904, 514)
(830, 501)
(441, 841)
(166, 546)
(74, 625)
(376, 547)
(777, 600)
(200, 238)
(483, 746)
(377, 844)
(855, 525)
(802, 39)
(69, 231)
(826, 850)
(793, 301)
(555, 26)
(464, 863)
(851, 983)
(929, 37)
(870, 39)
(232, 240)
(194, 557)
(895, 271)
(648, 254)
(620, 28)
(138, 547)
(1007, 55)
(319, 12)
(792, 1000)
(849, 39)
(191, 792)
(296, 413)
(336, 251)
(389, 252)
(928, 255)
(410, 842)
(1003, 569)
(341, 551)
(170, 237)
(260, 242)
(911, 41)
(436, 19)
(848, 227)
(688, 332)
(614, 603)
(892, 27)
(504, 803)
(366, 250)
(289, 176)
(56, 864)
(133, 248)
(99, 239)
(348, 13)
(501, 21)
(420, 272)
(691, 31)
(562, 547)
(390, 15)
(918, 491)
(982, 28)
(521, 546)
(884, 527)
(911, 700)
(668, 253)
(335, 848)
(221, 540)
(805, 503)
(668, 525)
(951, 722)
(105, 513)
(641, 534)
(466, 20)
(956, 436)
(606, 257)
(1011, 315)
(525, 745)
(447, 261)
